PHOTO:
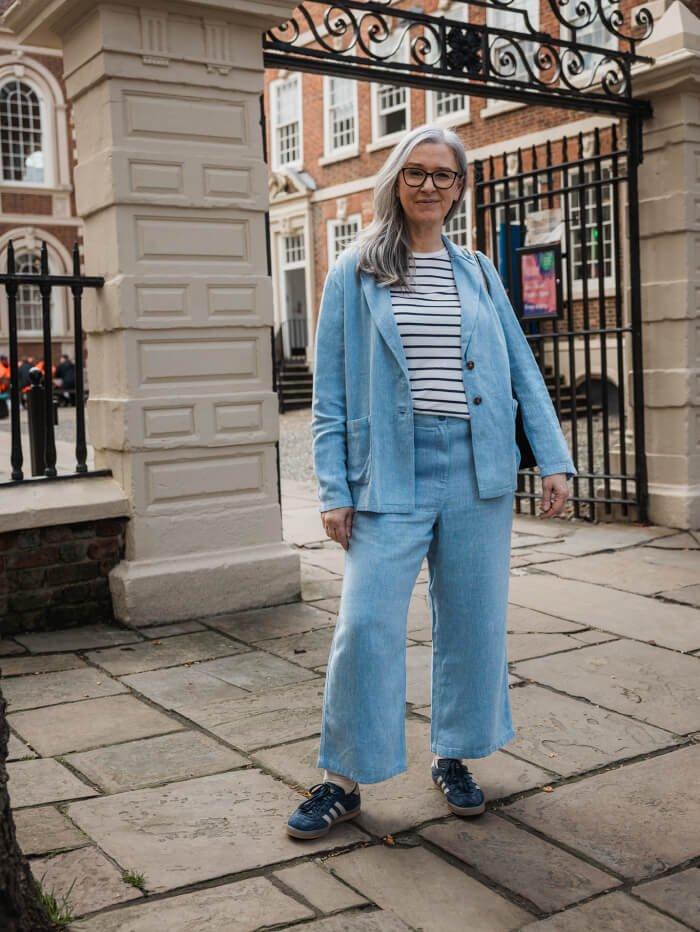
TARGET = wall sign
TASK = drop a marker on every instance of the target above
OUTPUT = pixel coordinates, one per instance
(540, 278)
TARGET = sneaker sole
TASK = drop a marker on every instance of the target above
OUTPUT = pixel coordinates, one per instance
(317, 833)
(462, 810)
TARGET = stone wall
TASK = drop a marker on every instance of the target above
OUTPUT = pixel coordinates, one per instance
(57, 576)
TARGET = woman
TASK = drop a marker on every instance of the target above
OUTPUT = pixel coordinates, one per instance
(414, 450)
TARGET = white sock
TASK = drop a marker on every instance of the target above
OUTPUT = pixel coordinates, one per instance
(338, 778)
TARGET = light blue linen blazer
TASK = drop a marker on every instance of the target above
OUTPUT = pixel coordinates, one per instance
(362, 411)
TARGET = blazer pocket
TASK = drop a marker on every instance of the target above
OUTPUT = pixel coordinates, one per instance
(358, 444)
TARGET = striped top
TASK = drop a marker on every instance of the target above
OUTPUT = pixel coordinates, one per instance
(429, 321)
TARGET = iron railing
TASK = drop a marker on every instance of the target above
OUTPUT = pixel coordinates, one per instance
(587, 353)
(41, 429)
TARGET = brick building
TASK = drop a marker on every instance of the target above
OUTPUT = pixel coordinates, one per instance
(328, 136)
(36, 184)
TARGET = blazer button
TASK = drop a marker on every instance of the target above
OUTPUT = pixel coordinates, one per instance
(477, 399)
(470, 364)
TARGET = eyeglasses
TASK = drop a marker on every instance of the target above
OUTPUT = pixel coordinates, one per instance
(442, 178)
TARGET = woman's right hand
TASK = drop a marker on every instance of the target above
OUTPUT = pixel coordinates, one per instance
(337, 523)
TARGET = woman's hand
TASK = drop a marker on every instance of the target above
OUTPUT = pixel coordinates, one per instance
(337, 523)
(555, 492)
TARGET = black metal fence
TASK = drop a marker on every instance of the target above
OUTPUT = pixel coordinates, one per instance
(39, 394)
(590, 355)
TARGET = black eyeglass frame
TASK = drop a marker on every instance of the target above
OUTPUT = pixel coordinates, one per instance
(431, 175)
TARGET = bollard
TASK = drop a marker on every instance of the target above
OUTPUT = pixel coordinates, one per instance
(36, 416)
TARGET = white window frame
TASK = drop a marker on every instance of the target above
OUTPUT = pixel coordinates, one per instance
(332, 228)
(458, 117)
(274, 88)
(466, 206)
(47, 149)
(494, 106)
(608, 280)
(380, 140)
(331, 153)
(610, 41)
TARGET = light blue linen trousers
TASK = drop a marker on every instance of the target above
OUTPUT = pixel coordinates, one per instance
(467, 543)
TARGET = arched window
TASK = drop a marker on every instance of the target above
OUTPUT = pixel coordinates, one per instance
(20, 133)
(28, 296)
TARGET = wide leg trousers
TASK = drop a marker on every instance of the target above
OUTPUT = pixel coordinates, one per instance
(467, 543)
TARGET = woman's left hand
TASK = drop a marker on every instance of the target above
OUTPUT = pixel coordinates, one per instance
(555, 492)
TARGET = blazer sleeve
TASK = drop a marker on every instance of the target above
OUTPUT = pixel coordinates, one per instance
(540, 419)
(328, 406)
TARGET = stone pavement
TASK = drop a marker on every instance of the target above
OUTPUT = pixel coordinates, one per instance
(176, 754)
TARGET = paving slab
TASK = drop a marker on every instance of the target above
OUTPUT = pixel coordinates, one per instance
(34, 782)
(614, 912)
(10, 648)
(644, 570)
(418, 674)
(170, 630)
(198, 830)
(410, 798)
(330, 557)
(570, 736)
(150, 761)
(267, 719)
(376, 921)
(48, 689)
(520, 861)
(688, 595)
(44, 830)
(272, 622)
(522, 620)
(315, 590)
(310, 649)
(623, 613)
(637, 820)
(18, 750)
(302, 525)
(681, 541)
(677, 894)
(168, 652)
(596, 537)
(244, 906)
(522, 646)
(84, 638)
(592, 636)
(86, 877)
(77, 726)
(256, 671)
(652, 685)
(425, 891)
(319, 887)
(42, 663)
(183, 689)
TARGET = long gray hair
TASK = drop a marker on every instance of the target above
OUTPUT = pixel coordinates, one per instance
(383, 246)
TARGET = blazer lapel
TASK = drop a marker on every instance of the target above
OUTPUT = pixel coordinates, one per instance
(469, 286)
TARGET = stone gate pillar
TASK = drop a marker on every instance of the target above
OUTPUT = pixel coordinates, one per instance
(669, 186)
(172, 188)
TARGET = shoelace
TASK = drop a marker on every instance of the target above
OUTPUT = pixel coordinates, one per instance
(319, 792)
(459, 773)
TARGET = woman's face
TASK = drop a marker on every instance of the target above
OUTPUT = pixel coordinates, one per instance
(427, 206)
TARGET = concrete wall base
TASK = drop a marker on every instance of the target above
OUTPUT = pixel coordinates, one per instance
(150, 591)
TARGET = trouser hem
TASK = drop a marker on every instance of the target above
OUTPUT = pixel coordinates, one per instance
(466, 752)
(359, 776)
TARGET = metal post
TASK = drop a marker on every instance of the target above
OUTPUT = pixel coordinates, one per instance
(36, 416)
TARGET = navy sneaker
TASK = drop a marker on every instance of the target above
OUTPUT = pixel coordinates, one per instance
(463, 795)
(328, 804)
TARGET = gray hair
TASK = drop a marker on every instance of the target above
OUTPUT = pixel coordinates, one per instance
(383, 246)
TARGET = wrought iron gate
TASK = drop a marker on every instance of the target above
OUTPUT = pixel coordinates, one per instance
(592, 355)
(587, 354)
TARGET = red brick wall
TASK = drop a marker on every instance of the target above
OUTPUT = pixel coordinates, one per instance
(56, 577)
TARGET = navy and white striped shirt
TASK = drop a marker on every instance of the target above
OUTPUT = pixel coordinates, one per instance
(429, 321)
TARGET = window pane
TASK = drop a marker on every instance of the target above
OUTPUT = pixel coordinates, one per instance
(28, 296)
(20, 134)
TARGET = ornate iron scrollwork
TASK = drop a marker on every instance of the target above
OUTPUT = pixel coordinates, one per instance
(376, 41)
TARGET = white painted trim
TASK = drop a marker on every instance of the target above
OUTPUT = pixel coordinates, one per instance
(329, 153)
(39, 504)
(273, 89)
(331, 226)
(381, 141)
(54, 123)
(481, 152)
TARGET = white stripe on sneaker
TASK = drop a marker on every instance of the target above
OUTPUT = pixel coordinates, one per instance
(327, 818)
(341, 807)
